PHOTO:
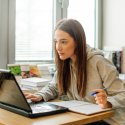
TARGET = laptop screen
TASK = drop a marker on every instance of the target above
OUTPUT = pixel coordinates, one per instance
(10, 93)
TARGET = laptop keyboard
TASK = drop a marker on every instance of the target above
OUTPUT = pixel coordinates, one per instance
(37, 108)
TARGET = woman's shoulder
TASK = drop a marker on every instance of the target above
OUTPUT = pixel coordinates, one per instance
(100, 60)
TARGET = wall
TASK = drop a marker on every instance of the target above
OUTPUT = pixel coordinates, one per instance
(113, 24)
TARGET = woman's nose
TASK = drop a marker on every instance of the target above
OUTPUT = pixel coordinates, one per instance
(58, 46)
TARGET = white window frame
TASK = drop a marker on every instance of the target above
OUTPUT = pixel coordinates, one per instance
(11, 35)
(3, 33)
(7, 27)
(57, 14)
(98, 23)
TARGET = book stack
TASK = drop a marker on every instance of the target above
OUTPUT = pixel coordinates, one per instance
(34, 83)
(115, 57)
(123, 61)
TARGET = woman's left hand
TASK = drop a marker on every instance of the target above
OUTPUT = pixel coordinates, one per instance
(101, 99)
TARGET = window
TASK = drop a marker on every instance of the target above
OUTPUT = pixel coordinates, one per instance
(34, 22)
(84, 12)
(31, 24)
(33, 30)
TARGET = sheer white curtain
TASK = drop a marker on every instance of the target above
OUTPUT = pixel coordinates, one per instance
(33, 31)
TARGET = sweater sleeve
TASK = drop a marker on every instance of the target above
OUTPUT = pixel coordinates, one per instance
(115, 86)
(50, 91)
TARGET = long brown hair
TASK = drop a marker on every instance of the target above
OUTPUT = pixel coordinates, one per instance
(76, 31)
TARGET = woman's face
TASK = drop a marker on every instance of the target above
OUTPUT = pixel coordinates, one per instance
(65, 45)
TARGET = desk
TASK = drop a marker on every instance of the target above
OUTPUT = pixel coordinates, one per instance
(67, 118)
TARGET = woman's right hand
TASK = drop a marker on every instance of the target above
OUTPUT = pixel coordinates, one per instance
(33, 97)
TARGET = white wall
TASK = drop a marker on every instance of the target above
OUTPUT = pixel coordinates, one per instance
(113, 24)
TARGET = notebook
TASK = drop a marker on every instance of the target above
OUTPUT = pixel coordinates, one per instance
(13, 99)
(81, 107)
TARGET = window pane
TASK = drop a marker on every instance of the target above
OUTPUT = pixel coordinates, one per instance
(33, 30)
(83, 11)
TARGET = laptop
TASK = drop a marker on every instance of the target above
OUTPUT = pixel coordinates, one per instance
(13, 99)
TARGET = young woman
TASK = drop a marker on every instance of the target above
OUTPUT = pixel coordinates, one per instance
(82, 70)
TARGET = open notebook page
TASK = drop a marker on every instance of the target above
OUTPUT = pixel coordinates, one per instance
(81, 107)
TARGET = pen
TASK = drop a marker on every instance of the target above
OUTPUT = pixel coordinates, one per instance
(94, 93)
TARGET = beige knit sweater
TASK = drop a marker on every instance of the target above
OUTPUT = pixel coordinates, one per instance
(101, 74)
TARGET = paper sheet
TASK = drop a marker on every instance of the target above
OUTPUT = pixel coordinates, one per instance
(81, 107)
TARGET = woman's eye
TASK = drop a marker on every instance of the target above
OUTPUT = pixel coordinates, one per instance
(63, 42)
